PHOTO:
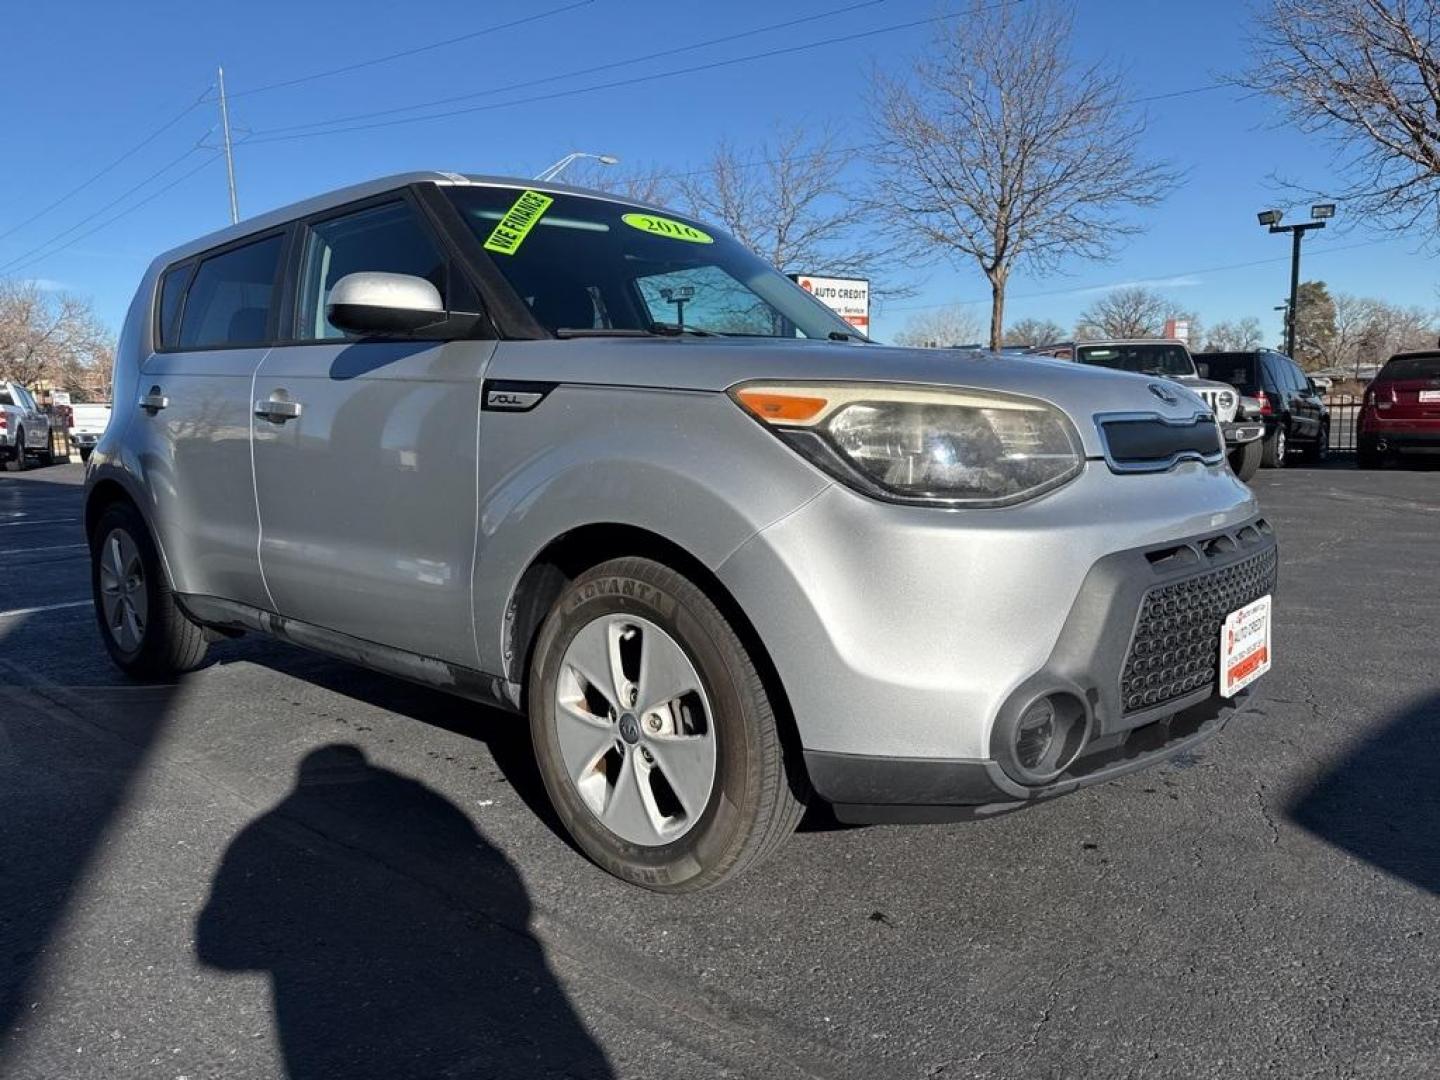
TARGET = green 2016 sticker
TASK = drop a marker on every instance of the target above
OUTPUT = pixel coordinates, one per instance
(664, 226)
(507, 237)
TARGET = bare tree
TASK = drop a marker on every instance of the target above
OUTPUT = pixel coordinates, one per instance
(786, 200)
(641, 184)
(1240, 336)
(1366, 74)
(1354, 318)
(1130, 312)
(1033, 332)
(940, 328)
(1003, 151)
(50, 337)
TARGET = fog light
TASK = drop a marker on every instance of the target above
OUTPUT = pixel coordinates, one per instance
(1044, 740)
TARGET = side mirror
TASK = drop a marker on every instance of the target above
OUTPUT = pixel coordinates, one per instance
(372, 302)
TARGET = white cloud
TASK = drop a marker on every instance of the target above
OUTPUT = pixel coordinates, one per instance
(1183, 282)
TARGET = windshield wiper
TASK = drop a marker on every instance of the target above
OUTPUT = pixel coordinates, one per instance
(600, 331)
(675, 330)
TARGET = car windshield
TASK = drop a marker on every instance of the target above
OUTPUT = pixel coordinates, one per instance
(1411, 367)
(589, 265)
(1145, 357)
(1237, 369)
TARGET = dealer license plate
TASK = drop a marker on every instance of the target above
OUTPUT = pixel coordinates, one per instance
(1430, 395)
(1245, 646)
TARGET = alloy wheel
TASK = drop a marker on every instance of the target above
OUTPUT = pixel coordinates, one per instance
(635, 729)
(122, 590)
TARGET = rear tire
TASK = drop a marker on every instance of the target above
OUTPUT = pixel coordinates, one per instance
(1245, 460)
(1276, 447)
(1367, 455)
(145, 632)
(695, 833)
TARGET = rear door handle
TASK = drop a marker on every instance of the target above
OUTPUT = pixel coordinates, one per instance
(277, 411)
(154, 401)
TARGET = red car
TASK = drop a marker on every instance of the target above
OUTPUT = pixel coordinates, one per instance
(1401, 410)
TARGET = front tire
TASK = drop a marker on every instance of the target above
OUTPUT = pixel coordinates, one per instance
(18, 459)
(1245, 460)
(654, 732)
(1319, 450)
(145, 632)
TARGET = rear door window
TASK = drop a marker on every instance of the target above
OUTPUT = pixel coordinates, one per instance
(388, 238)
(228, 304)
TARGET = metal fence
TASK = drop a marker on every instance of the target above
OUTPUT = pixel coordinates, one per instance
(1344, 418)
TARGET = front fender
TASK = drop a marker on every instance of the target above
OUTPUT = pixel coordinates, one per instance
(685, 465)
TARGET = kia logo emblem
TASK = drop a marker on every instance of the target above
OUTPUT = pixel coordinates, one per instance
(1165, 394)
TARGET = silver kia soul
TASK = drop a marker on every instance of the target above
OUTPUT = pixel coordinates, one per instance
(596, 463)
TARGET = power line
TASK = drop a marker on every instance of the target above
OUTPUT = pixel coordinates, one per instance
(358, 65)
(628, 61)
(22, 258)
(274, 136)
(146, 141)
(214, 157)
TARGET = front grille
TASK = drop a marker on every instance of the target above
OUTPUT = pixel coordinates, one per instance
(1211, 396)
(1153, 444)
(1176, 647)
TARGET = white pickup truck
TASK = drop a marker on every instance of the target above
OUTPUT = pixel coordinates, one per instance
(24, 429)
(87, 424)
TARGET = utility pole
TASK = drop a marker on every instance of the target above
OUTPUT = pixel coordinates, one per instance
(229, 151)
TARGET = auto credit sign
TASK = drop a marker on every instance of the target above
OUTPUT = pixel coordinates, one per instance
(847, 297)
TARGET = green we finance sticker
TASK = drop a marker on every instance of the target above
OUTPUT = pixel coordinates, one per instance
(669, 227)
(507, 236)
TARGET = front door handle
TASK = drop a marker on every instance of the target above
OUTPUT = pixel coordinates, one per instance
(277, 411)
(154, 401)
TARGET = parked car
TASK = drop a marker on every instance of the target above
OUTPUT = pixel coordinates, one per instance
(88, 421)
(1400, 411)
(1297, 420)
(1170, 359)
(24, 428)
(599, 465)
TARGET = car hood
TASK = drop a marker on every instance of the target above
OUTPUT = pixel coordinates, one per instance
(718, 364)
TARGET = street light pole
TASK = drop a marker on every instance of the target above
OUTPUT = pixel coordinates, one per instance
(1319, 214)
(554, 171)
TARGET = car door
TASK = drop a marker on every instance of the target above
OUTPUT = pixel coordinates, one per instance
(365, 457)
(1304, 405)
(191, 421)
(37, 427)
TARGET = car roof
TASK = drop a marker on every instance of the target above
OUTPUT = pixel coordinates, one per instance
(1112, 341)
(1418, 354)
(340, 196)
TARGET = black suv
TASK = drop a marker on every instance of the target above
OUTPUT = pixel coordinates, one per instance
(1294, 410)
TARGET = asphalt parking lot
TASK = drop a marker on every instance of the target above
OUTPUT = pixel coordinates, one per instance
(288, 866)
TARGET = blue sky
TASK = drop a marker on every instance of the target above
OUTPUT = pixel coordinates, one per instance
(84, 82)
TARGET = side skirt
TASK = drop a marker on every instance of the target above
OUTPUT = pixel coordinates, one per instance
(228, 616)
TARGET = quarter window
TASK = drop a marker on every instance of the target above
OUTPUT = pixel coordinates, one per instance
(386, 238)
(172, 292)
(229, 301)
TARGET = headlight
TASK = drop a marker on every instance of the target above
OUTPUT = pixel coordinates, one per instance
(1226, 400)
(923, 445)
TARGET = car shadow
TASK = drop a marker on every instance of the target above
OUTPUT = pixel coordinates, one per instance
(1381, 802)
(395, 936)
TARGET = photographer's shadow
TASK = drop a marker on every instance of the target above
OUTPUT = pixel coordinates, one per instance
(395, 937)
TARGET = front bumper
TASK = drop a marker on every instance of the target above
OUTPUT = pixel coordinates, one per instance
(906, 637)
(83, 439)
(1240, 432)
